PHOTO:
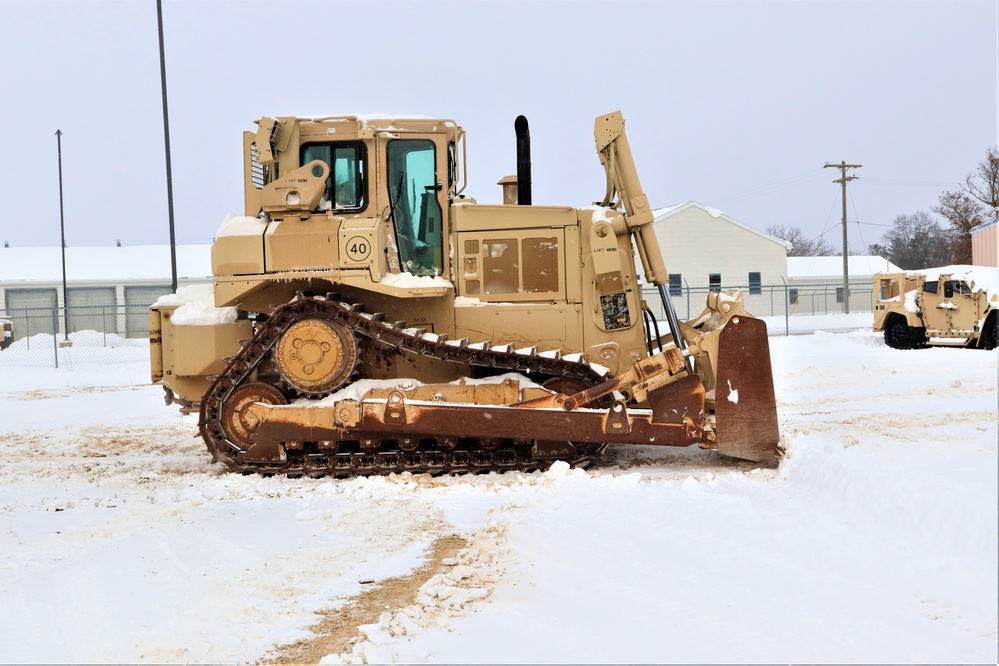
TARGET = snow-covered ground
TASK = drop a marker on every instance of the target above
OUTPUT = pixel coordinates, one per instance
(875, 540)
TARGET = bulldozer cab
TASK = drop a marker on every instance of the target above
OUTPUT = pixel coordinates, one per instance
(355, 196)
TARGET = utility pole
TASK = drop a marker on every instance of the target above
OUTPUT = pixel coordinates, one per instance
(166, 143)
(843, 166)
(62, 238)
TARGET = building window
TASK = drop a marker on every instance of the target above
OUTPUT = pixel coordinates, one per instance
(755, 283)
(675, 284)
(839, 294)
(714, 281)
(792, 296)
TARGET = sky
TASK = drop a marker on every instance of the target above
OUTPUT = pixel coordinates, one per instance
(737, 105)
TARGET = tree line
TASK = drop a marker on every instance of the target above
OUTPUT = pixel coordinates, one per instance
(918, 240)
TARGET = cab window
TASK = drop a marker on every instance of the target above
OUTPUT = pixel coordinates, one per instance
(345, 187)
(416, 212)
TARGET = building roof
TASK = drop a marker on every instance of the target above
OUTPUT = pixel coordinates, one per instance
(103, 264)
(832, 267)
(985, 225)
(661, 214)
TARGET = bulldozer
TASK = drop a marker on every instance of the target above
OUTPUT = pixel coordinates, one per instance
(369, 317)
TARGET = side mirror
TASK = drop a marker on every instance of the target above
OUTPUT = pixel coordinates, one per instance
(948, 290)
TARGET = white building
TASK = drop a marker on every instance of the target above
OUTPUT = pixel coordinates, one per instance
(705, 249)
(816, 283)
(107, 288)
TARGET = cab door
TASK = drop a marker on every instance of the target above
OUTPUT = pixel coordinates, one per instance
(415, 192)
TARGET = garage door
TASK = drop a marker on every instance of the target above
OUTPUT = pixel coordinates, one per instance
(137, 302)
(32, 311)
(91, 309)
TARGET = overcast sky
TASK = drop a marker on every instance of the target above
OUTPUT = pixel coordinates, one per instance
(736, 105)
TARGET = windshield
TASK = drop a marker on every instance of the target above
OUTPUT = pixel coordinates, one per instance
(416, 213)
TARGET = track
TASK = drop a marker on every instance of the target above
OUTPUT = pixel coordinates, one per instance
(220, 429)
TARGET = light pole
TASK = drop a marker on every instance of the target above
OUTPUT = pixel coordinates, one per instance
(166, 143)
(62, 237)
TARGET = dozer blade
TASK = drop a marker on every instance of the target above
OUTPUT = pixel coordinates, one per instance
(745, 405)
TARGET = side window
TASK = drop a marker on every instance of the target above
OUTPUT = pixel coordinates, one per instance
(755, 283)
(930, 287)
(416, 212)
(957, 287)
(540, 264)
(501, 266)
(714, 282)
(675, 284)
(839, 294)
(792, 296)
(346, 185)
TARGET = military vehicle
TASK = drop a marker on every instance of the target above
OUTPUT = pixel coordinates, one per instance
(941, 307)
(6, 333)
(369, 317)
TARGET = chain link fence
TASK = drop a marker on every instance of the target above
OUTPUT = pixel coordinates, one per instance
(119, 334)
(788, 308)
(64, 337)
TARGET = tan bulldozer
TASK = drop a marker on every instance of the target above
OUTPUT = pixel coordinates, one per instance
(368, 317)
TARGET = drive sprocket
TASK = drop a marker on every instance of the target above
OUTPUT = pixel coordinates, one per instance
(315, 356)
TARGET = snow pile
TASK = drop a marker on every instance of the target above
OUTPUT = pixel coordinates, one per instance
(358, 389)
(197, 307)
(984, 277)
(407, 280)
(241, 225)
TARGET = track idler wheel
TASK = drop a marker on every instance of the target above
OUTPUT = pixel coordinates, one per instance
(316, 355)
(237, 422)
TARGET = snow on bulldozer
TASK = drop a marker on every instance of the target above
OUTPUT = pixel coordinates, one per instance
(367, 317)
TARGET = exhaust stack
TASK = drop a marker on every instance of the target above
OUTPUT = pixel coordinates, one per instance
(523, 161)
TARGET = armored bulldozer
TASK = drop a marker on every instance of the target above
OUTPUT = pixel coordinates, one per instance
(941, 307)
(369, 317)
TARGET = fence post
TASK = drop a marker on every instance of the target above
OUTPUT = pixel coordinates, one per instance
(787, 308)
(687, 286)
(55, 336)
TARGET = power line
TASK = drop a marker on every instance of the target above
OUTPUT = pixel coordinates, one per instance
(908, 183)
(853, 202)
(776, 186)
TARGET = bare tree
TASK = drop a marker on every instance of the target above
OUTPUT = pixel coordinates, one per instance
(916, 241)
(983, 182)
(964, 213)
(975, 203)
(800, 245)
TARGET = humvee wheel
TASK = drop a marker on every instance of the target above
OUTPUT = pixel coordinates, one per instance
(316, 355)
(990, 333)
(898, 334)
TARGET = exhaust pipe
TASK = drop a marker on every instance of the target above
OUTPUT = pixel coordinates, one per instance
(523, 161)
